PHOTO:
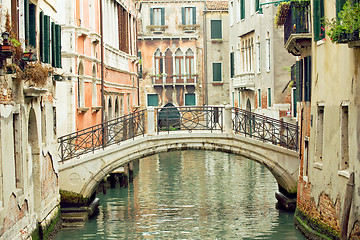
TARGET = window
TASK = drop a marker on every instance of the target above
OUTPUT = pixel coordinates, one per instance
(237, 11)
(269, 97)
(344, 138)
(188, 15)
(306, 159)
(15, 17)
(231, 13)
(319, 133)
(258, 60)
(307, 79)
(259, 98)
(190, 99)
(189, 63)
(55, 45)
(157, 16)
(217, 72)
(30, 23)
(232, 67)
(152, 100)
(158, 62)
(299, 80)
(268, 55)
(93, 87)
(179, 64)
(318, 12)
(242, 9)
(239, 99)
(339, 6)
(168, 65)
(216, 29)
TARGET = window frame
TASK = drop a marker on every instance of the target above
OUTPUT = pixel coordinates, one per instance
(189, 94)
(213, 68)
(152, 95)
(213, 34)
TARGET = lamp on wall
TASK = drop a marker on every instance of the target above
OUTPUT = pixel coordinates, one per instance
(6, 48)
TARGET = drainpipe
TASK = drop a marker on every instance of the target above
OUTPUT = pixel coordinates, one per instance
(102, 71)
(205, 57)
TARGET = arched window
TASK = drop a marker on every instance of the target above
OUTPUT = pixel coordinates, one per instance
(158, 66)
(117, 109)
(121, 106)
(93, 87)
(81, 87)
(189, 64)
(168, 65)
(110, 109)
(179, 66)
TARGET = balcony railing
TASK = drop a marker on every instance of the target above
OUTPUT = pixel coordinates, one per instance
(297, 22)
(183, 79)
(244, 80)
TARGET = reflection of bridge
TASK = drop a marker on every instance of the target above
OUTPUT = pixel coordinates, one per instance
(89, 155)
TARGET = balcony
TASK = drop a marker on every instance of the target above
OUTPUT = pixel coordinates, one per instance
(244, 81)
(173, 80)
(157, 29)
(189, 28)
(297, 32)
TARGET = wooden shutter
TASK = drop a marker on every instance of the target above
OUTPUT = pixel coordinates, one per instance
(42, 45)
(242, 9)
(53, 45)
(32, 25)
(183, 15)
(217, 72)
(162, 16)
(58, 45)
(47, 39)
(232, 64)
(257, 5)
(318, 12)
(152, 100)
(299, 80)
(190, 99)
(194, 15)
(307, 77)
(216, 29)
(26, 19)
(151, 16)
(269, 97)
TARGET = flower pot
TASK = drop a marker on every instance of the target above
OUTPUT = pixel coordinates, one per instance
(343, 38)
(28, 56)
(354, 36)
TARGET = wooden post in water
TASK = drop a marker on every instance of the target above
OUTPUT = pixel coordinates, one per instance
(347, 206)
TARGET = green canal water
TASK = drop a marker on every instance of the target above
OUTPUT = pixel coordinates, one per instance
(191, 195)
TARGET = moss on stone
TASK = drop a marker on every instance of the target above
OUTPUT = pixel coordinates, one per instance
(72, 199)
(313, 228)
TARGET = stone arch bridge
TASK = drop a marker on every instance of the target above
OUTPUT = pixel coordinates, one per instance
(89, 155)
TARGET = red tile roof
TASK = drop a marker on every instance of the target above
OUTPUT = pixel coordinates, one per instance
(217, 5)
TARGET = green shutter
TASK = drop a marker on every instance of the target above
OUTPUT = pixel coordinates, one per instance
(32, 25)
(162, 16)
(299, 80)
(190, 99)
(26, 19)
(151, 16)
(239, 99)
(216, 29)
(339, 6)
(307, 83)
(152, 100)
(318, 12)
(58, 45)
(232, 64)
(269, 97)
(217, 72)
(183, 15)
(194, 15)
(53, 45)
(242, 9)
(257, 5)
(42, 44)
(47, 39)
(259, 98)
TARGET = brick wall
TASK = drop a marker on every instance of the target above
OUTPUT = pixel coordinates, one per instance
(14, 213)
(49, 181)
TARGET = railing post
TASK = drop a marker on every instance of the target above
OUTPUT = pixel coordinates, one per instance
(151, 121)
(227, 119)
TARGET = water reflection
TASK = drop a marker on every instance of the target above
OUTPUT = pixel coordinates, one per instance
(192, 195)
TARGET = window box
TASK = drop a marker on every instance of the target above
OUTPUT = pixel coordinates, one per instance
(82, 110)
(216, 41)
(157, 29)
(95, 109)
(189, 28)
(28, 56)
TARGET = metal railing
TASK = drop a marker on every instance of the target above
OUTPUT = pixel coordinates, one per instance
(189, 118)
(265, 128)
(297, 21)
(99, 136)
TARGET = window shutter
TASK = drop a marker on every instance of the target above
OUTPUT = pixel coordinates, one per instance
(47, 39)
(216, 29)
(53, 45)
(297, 76)
(318, 12)
(27, 18)
(217, 72)
(232, 64)
(190, 99)
(32, 25)
(162, 16)
(339, 6)
(194, 15)
(242, 9)
(151, 16)
(58, 45)
(42, 44)
(307, 86)
(183, 15)
(257, 5)
(269, 97)
(152, 100)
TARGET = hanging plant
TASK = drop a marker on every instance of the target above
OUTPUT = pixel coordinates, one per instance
(35, 74)
(281, 14)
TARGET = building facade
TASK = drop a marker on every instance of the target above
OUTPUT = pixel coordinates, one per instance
(259, 65)
(216, 62)
(171, 47)
(97, 52)
(29, 189)
(327, 89)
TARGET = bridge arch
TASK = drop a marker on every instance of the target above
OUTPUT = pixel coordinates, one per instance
(77, 177)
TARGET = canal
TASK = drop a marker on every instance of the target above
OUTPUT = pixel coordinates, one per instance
(191, 195)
